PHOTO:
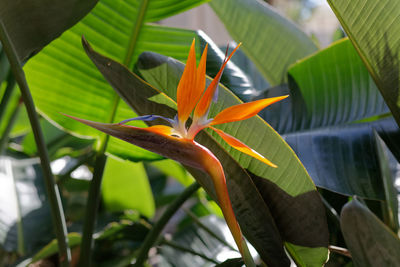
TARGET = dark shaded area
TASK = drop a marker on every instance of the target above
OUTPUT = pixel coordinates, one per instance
(308, 214)
(370, 242)
(34, 24)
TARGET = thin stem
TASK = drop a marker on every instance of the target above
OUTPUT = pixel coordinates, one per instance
(10, 125)
(154, 233)
(51, 188)
(339, 250)
(91, 211)
(188, 250)
(7, 94)
(208, 230)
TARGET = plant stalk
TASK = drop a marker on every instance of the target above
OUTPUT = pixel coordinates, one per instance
(53, 194)
(154, 233)
(7, 94)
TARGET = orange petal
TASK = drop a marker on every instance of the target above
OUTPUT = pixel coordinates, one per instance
(160, 129)
(235, 143)
(244, 111)
(191, 85)
(205, 102)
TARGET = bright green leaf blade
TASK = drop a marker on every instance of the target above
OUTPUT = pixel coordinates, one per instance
(290, 178)
(160, 9)
(391, 201)
(52, 248)
(62, 79)
(125, 186)
(271, 41)
(34, 24)
(257, 226)
(315, 257)
(175, 170)
(373, 28)
(336, 87)
(370, 242)
(25, 221)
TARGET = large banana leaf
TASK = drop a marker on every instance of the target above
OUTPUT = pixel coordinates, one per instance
(330, 89)
(336, 87)
(33, 24)
(271, 41)
(288, 184)
(370, 242)
(344, 159)
(62, 79)
(373, 28)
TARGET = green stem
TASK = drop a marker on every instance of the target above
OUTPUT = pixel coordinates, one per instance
(7, 94)
(188, 250)
(154, 233)
(51, 188)
(91, 211)
(11, 122)
(95, 185)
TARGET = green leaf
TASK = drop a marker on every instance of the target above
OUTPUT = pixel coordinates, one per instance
(290, 178)
(62, 72)
(391, 201)
(336, 87)
(308, 257)
(271, 41)
(34, 24)
(346, 156)
(376, 40)
(25, 221)
(370, 242)
(74, 239)
(125, 186)
(175, 170)
(258, 227)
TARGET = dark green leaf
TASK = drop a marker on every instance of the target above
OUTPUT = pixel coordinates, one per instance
(390, 192)
(34, 24)
(376, 40)
(370, 242)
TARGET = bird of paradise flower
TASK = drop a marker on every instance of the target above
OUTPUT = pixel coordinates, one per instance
(177, 141)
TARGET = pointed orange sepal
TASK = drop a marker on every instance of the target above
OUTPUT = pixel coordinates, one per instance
(191, 84)
(205, 101)
(244, 111)
(235, 143)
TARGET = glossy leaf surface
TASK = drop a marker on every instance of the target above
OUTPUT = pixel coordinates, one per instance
(373, 29)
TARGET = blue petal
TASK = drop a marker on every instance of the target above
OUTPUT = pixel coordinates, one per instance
(148, 118)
